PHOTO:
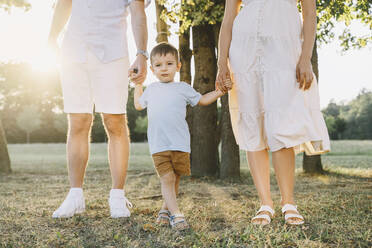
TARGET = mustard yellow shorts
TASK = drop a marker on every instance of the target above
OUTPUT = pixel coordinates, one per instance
(176, 161)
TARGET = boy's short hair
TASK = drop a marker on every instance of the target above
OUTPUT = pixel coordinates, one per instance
(163, 49)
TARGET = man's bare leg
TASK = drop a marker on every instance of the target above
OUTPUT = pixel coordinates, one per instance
(118, 153)
(77, 157)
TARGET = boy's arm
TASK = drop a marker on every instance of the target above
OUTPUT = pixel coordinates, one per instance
(138, 91)
(210, 97)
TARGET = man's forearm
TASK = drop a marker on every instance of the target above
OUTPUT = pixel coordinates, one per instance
(61, 15)
(139, 24)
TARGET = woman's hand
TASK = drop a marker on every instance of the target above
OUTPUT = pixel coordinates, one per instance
(223, 78)
(304, 73)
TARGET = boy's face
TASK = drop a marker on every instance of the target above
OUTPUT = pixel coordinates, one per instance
(165, 67)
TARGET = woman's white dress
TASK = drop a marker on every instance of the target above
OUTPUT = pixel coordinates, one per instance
(268, 110)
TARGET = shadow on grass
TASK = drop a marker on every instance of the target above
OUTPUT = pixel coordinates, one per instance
(335, 174)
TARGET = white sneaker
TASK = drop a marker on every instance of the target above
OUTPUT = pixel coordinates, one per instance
(73, 204)
(119, 204)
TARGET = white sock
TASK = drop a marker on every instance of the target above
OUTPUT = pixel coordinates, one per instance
(117, 193)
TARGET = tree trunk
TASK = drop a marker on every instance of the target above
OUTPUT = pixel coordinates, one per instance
(313, 164)
(28, 137)
(230, 157)
(185, 56)
(161, 26)
(4, 155)
(204, 155)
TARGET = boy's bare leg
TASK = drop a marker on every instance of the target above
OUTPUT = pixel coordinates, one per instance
(177, 184)
(168, 191)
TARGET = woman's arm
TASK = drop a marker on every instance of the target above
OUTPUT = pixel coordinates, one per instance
(61, 15)
(231, 11)
(139, 27)
(304, 71)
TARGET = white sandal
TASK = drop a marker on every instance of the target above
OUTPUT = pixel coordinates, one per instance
(264, 208)
(290, 207)
(179, 225)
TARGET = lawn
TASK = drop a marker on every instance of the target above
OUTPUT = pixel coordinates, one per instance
(336, 206)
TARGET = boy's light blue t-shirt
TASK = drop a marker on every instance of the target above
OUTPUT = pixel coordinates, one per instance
(166, 112)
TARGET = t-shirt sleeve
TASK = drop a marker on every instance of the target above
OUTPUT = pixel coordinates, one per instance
(192, 96)
(143, 101)
(147, 2)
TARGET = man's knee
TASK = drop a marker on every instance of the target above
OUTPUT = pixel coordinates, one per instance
(116, 125)
(80, 123)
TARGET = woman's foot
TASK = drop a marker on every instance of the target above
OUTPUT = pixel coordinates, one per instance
(263, 216)
(163, 217)
(291, 215)
(178, 222)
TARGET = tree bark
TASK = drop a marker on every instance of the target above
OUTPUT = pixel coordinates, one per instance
(4, 154)
(204, 157)
(230, 157)
(185, 56)
(313, 164)
(161, 26)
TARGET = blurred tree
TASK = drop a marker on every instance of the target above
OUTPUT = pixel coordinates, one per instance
(4, 155)
(141, 126)
(60, 123)
(161, 25)
(28, 120)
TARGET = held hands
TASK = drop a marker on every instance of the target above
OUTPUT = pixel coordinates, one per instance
(223, 79)
(138, 71)
(304, 73)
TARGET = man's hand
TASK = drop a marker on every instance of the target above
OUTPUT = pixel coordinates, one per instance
(138, 71)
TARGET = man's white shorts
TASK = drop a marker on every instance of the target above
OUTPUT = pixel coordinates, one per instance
(102, 86)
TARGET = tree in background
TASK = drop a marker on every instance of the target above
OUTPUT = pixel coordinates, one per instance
(60, 123)
(4, 155)
(141, 126)
(352, 120)
(28, 120)
(329, 13)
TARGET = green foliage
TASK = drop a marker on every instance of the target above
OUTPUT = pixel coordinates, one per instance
(194, 12)
(8, 4)
(197, 12)
(332, 11)
(141, 125)
(28, 119)
(352, 120)
(60, 122)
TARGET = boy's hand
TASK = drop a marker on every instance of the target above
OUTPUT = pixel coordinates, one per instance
(228, 84)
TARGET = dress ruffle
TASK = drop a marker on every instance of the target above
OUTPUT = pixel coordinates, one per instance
(274, 113)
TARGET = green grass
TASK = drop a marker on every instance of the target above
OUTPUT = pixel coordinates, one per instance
(336, 205)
